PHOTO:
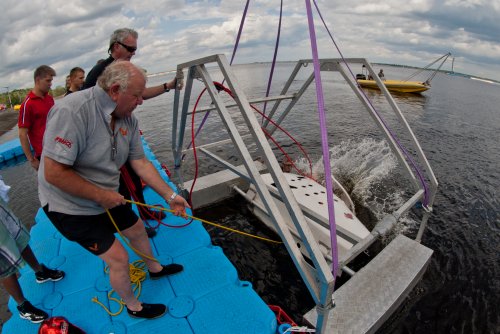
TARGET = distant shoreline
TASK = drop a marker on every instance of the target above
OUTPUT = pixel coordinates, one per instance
(447, 72)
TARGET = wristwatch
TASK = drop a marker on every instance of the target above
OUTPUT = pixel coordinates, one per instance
(174, 194)
(165, 87)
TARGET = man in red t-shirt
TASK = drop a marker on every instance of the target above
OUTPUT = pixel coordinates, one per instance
(33, 114)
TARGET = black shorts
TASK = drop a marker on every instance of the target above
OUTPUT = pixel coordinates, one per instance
(95, 233)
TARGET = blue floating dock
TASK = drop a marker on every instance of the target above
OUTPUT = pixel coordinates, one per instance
(207, 297)
(11, 152)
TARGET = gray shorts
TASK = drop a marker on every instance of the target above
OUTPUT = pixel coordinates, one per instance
(14, 238)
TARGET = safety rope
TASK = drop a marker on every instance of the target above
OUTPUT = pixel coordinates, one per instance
(144, 214)
(434, 72)
(193, 138)
(137, 272)
(137, 275)
(220, 86)
(206, 222)
(125, 239)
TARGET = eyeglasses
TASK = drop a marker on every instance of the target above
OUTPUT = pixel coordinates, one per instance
(130, 49)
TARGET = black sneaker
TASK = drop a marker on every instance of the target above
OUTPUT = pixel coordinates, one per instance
(47, 274)
(149, 311)
(31, 313)
(168, 269)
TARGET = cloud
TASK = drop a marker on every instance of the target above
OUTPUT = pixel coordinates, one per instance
(65, 34)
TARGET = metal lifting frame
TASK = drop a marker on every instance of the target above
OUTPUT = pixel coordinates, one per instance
(318, 278)
(339, 65)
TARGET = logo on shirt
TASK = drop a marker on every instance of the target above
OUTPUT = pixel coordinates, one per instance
(94, 248)
(123, 131)
(63, 141)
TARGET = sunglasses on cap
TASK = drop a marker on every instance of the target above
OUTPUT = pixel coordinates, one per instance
(128, 48)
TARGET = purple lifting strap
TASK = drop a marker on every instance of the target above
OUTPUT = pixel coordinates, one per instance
(242, 23)
(324, 139)
(415, 166)
(274, 61)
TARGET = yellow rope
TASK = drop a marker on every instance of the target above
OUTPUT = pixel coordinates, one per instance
(137, 275)
(137, 272)
(125, 240)
(207, 222)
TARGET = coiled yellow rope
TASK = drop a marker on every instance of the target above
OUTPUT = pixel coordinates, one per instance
(137, 275)
(137, 268)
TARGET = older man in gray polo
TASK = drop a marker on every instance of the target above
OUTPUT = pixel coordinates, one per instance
(90, 134)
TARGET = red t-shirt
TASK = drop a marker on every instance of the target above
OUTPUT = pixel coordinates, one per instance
(33, 116)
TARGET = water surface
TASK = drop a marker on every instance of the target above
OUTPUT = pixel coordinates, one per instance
(458, 125)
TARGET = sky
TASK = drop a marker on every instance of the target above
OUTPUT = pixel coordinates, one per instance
(64, 34)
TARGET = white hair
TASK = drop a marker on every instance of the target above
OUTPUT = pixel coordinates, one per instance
(119, 72)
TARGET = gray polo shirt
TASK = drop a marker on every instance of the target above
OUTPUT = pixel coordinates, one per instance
(78, 134)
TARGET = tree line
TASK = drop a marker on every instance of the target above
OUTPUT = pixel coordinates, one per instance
(17, 96)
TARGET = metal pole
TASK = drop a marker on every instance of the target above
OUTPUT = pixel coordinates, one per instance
(8, 94)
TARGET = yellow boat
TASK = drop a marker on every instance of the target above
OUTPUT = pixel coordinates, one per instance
(402, 86)
(396, 85)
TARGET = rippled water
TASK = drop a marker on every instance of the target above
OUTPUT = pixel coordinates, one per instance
(458, 125)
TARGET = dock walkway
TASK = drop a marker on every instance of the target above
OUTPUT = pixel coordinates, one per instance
(207, 297)
(365, 302)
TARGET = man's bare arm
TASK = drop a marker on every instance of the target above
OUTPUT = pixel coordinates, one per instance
(64, 177)
(25, 144)
(150, 92)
